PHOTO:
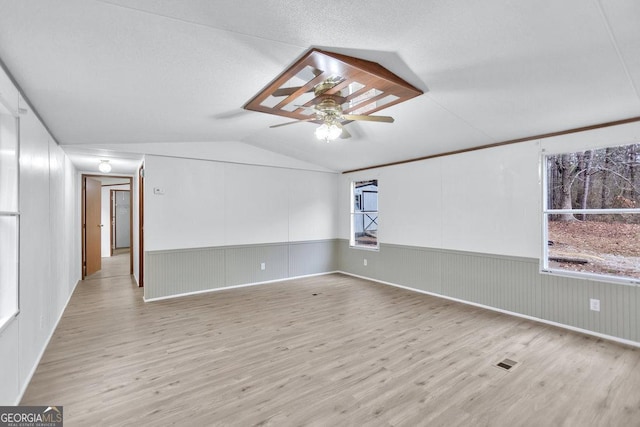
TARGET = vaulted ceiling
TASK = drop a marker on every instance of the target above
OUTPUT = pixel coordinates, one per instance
(126, 74)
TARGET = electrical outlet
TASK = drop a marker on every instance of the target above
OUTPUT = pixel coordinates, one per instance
(594, 304)
(365, 262)
(263, 266)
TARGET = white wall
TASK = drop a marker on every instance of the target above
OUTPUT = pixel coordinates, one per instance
(209, 203)
(483, 201)
(49, 254)
(487, 201)
(9, 334)
(105, 218)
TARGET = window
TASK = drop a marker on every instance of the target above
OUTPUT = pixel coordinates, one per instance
(591, 212)
(364, 214)
(9, 216)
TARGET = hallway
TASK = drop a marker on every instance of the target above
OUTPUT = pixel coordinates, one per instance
(114, 266)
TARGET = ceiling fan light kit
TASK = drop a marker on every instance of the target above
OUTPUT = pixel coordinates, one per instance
(332, 90)
(327, 132)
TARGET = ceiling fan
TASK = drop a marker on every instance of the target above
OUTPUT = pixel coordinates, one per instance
(328, 110)
(332, 89)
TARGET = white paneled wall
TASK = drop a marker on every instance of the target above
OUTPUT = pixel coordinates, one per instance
(483, 201)
(200, 203)
(490, 201)
(486, 201)
(256, 204)
(410, 204)
(49, 251)
(313, 213)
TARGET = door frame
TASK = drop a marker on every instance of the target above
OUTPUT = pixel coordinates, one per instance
(140, 225)
(84, 216)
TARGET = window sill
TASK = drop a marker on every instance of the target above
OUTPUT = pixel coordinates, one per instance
(6, 321)
(366, 248)
(591, 276)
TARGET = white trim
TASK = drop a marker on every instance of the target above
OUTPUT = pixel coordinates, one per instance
(352, 239)
(7, 320)
(365, 248)
(499, 310)
(544, 260)
(13, 286)
(44, 348)
(244, 285)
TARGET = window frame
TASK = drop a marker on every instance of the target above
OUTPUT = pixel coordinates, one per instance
(10, 315)
(353, 213)
(546, 212)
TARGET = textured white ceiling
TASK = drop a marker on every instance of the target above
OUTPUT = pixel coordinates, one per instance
(134, 72)
(86, 159)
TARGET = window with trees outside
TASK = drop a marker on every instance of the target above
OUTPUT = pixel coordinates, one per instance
(592, 212)
(364, 214)
(9, 216)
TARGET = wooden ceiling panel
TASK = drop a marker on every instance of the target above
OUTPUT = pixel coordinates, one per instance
(342, 76)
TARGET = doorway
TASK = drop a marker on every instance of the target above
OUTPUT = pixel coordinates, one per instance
(105, 230)
(120, 221)
(141, 225)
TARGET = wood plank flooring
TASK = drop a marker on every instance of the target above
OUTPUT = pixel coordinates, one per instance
(327, 351)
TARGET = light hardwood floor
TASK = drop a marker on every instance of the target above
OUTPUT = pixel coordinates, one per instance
(329, 350)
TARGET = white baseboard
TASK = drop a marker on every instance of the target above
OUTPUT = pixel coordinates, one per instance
(499, 310)
(244, 285)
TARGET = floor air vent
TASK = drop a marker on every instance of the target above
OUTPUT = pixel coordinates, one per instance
(506, 364)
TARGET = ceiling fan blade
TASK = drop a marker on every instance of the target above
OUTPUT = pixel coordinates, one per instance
(385, 119)
(345, 134)
(291, 123)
